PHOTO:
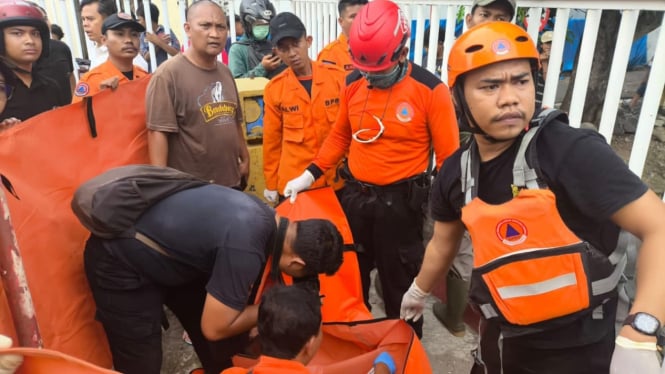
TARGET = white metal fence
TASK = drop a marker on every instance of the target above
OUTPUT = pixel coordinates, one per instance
(320, 18)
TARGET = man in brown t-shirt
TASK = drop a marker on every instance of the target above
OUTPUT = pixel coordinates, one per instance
(192, 106)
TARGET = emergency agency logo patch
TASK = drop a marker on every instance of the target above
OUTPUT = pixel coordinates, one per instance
(511, 231)
(82, 89)
(404, 112)
(500, 47)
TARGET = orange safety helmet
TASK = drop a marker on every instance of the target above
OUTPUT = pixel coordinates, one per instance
(377, 36)
(488, 43)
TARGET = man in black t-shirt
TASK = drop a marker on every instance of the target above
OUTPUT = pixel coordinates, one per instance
(213, 244)
(591, 194)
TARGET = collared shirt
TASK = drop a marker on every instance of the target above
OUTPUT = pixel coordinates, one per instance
(296, 123)
(161, 54)
(337, 53)
(90, 81)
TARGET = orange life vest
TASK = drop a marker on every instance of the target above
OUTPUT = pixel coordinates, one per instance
(529, 267)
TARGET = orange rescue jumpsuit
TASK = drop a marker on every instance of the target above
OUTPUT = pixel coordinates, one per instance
(295, 124)
(337, 53)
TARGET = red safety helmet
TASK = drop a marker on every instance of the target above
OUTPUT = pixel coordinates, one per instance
(21, 13)
(488, 43)
(377, 36)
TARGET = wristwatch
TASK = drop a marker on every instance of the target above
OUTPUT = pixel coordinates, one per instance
(643, 323)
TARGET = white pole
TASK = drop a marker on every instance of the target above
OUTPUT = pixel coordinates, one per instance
(587, 49)
(148, 28)
(556, 57)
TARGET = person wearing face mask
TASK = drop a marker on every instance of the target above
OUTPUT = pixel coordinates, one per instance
(252, 55)
(392, 116)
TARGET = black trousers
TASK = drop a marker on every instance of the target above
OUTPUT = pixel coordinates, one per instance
(130, 301)
(388, 234)
(496, 355)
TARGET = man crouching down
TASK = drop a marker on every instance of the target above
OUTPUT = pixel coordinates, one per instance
(206, 248)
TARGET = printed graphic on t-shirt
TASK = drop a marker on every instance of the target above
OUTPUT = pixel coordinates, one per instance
(214, 107)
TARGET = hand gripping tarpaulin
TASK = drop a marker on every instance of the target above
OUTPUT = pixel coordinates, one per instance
(45, 159)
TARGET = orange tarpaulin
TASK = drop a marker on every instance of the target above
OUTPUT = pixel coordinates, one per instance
(46, 158)
(351, 338)
(46, 361)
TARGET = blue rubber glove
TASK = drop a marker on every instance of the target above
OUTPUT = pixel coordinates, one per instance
(386, 359)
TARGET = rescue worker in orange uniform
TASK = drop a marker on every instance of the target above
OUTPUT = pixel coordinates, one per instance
(121, 34)
(392, 115)
(544, 204)
(301, 106)
(337, 51)
(290, 332)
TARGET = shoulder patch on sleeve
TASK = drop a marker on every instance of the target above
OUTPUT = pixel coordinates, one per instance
(424, 76)
(82, 89)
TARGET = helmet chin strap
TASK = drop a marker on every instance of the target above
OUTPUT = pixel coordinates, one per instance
(465, 118)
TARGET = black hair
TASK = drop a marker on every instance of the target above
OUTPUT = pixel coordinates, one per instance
(199, 2)
(106, 7)
(289, 317)
(319, 244)
(343, 4)
(57, 31)
(154, 12)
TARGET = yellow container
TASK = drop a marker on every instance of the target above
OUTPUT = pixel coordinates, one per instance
(250, 91)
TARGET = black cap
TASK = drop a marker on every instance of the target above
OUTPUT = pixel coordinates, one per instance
(120, 20)
(286, 25)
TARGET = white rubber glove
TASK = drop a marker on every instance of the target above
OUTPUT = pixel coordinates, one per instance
(631, 357)
(271, 195)
(298, 184)
(413, 303)
(9, 363)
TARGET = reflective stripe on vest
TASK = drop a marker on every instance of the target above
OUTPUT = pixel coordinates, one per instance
(525, 255)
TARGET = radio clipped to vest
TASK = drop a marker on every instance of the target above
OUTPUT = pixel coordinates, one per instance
(530, 269)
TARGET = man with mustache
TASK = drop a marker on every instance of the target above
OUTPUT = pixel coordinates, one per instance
(543, 203)
(120, 34)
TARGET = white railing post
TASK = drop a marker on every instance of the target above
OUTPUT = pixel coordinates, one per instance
(451, 15)
(618, 72)
(587, 49)
(182, 7)
(148, 28)
(650, 104)
(433, 43)
(556, 57)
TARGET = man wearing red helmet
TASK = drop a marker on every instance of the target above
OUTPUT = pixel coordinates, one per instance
(544, 204)
(393, 114)
(25, 37)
